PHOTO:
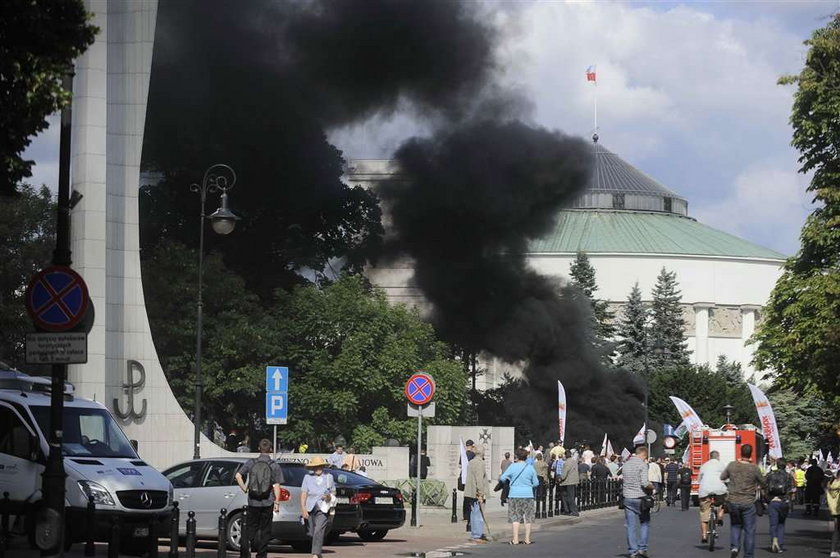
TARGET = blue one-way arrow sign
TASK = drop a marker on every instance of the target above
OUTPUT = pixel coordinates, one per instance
(276, 394)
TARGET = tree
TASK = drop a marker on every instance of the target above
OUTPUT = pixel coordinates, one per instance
(632, 333)
(803, 420)
(583, 278)
(39, 39)
(799, 338)
(27, 227)
(667, 325)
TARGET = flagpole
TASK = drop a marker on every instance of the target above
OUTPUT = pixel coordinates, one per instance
(596, 105)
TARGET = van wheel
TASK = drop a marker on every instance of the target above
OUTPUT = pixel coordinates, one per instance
(372, 535)
(301, 546)
(234, 531)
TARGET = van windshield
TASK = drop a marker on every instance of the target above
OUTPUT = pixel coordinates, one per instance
(88, 432)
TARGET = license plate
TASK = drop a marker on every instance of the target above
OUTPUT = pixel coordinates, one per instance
(388, 501)
(342, 500)
(141, 531)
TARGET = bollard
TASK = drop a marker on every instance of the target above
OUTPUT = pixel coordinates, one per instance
(221, 549)
(414, 508)
(174, 519)
(153, 537)
(454, 518)
(244, 536)
(537, 493)
(114, 539)
(543, 500)
(4, 525)
(90, 524)
(190, 543)
(550, 499)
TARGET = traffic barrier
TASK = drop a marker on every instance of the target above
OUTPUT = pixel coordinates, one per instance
(114, 538)
(90, 522)
(454, 518)
(153, 537)
(174, 519)
(190, 542)
(221, 548)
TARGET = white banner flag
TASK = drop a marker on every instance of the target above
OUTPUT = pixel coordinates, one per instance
(625, 454)
(768, 422)
(639, 438)
(610, 451)
(689, 416)
(464, 462)
(561, 411)
(604, 446)
(830, 459)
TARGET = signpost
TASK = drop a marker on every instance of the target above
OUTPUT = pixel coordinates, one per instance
(419, 390)
(276, 398)
(56, 348)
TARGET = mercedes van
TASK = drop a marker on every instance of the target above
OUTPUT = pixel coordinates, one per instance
(99, 460)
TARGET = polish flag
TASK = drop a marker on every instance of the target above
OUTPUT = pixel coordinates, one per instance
(590, 73)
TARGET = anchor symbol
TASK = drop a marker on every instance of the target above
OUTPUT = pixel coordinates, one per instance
(130, 387)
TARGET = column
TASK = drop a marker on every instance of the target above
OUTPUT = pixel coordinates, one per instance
(701, 332)
(748, 317)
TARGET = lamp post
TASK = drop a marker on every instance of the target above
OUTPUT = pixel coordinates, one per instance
(218, 177)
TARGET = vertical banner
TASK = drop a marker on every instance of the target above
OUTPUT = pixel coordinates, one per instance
(610, 451)
(690, 417)
(639, 438)
(768, 422)
(561, 412)
(604, 446)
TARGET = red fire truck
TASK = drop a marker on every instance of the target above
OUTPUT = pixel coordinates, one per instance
(726, 440)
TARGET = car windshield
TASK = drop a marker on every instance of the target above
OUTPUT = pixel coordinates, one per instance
(88, 432)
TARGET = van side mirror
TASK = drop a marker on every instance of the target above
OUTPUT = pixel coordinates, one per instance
(135, 445)
(35, 453)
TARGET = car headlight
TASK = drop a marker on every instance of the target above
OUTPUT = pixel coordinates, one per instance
(100, 494)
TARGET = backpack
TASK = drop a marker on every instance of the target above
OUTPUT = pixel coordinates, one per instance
(777, 483)
(685, 476)
(259, 481)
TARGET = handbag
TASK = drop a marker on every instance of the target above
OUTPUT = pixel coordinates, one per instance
(500, 485)
(647, 502)
(760, 507)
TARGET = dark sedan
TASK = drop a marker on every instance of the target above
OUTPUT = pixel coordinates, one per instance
(382, 507)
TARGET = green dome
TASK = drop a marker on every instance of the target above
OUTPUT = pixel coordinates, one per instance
(637, 232)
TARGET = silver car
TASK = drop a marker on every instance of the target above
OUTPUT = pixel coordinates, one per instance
(204, 486)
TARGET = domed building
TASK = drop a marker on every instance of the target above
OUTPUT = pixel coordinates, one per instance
(631, 226)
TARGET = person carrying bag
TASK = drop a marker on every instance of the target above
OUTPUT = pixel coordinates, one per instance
(317, 502)
(522, 480)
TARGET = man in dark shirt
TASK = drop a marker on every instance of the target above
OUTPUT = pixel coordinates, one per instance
(814, 477)
(744, 480)
(260, 509)
(672, 480)
(685, 485)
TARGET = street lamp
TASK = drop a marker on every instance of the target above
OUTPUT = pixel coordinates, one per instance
(218, 177)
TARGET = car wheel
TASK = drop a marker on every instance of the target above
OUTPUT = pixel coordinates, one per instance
(372, 534)
(234, 531)
(301, 546)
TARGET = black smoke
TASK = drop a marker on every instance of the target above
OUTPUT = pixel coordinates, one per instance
(466, 204)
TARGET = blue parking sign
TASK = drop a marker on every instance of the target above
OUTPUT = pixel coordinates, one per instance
(276, 394)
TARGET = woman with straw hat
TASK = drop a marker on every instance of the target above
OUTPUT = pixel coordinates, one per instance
(317, 502)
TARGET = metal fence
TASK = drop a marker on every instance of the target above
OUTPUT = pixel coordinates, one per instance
(590, 494)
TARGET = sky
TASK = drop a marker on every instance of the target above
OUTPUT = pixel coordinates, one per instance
(687, 92)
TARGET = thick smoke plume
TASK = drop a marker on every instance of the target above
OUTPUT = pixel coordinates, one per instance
(468, 201)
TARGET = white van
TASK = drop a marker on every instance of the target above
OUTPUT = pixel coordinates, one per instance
(98, 458)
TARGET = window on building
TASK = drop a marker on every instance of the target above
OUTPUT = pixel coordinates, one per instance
(618, 201)
(669, 205)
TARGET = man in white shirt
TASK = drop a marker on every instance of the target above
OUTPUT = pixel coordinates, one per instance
(587, 455)
(711, 487)
(336, 459)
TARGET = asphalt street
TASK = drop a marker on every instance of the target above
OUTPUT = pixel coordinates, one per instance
(673, 534)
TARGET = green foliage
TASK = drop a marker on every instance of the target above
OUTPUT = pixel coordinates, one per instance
(39, 39)
(799, 338)
(667, 326)
(348, 350)
(633, 333)
(27, 227)
(583, 278)
(804, 422)
(705, 389)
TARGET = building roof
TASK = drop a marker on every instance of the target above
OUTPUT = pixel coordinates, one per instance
(637, 232)
(615, 175)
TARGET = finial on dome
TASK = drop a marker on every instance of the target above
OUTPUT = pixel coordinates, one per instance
(595, 137)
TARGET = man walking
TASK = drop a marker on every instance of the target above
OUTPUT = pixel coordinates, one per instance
(684, 484)
(476, 488)
(779, 484)
(744, 480)
(569, 479)
(636, 487)
(672, 480)
(263, 488)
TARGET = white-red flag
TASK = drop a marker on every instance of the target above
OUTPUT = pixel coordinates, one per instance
(464, 461)
(604, 446)
(689, 415)
(625, 454)
(610, 451)
(768, 422)
(561, 411)
(639, 438)
(590, 74)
